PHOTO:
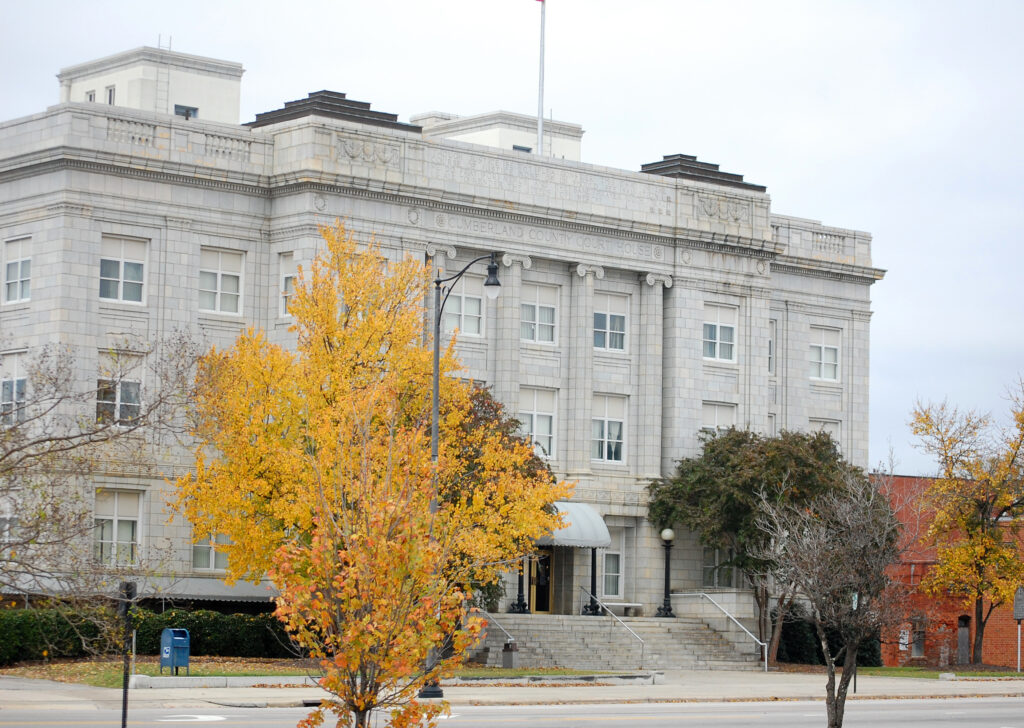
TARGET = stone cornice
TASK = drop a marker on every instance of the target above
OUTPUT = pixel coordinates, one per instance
(826, 269)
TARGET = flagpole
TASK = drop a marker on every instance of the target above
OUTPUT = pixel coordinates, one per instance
(540, 94)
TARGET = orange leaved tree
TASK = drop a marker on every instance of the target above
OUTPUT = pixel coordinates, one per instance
(315, 463)
(978, 504)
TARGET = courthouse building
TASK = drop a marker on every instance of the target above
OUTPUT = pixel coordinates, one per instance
(637, 306)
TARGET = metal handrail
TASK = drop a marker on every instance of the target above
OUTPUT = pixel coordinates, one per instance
(763, 645)
(616, 618)
(490, 618)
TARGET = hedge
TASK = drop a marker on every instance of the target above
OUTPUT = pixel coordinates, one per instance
(36, 634)
(799, 643)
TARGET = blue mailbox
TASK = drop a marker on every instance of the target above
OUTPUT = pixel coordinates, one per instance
(174, 650)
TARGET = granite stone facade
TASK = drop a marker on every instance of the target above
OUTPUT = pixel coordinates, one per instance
(626, 270)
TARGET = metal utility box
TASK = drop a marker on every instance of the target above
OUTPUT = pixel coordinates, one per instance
(175, 645)
(510, 655)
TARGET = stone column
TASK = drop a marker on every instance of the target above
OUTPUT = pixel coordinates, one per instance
(581, 368)
(650, 362)
(505, 339)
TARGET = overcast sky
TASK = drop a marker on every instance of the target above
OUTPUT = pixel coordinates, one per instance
(904, 119)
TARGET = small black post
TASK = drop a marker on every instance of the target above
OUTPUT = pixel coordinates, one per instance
(665, 610)
(124, 609)
(592, 607)
(519, 606)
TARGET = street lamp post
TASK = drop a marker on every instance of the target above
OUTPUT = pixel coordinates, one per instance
(492, 287)
(665, 610)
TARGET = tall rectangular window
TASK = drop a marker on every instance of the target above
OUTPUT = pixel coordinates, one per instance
(772, 331)
(220, 280)
(537, 418)
(110, 95)
(719, 340)
(8, 521)
(918, 633)
(613, 565)
(608, 428)
(538, 313)
(824, 353)
(716, 569)
(717, 416)
(17, 270)
(286, 264)
(12, 389)
(464, 309)
(206, 556)
(122, 270)
(118, 401)
(116, 526)
(90, 96)
(610, 313)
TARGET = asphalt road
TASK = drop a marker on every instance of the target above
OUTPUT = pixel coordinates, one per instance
(966, 712)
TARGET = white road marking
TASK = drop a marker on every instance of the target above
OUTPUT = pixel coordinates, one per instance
(191, 719)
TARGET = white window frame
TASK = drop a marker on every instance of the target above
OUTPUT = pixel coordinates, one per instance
(123, 399)
(533, 411)
(602, 440)
(286, 266)
(771, 425)
(611, 322)
(619, 575)
(90, 96)
(216, 560)
(773, 330)
(537, 303)
(216, 263)
(717, 416)
(18, 270)
(825, 345)
(13, 389)
(126, 257)
(719, 339)
(110, 94)
(111, 549)
(466, 294)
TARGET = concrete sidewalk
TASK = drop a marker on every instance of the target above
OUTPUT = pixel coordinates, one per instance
(671, 686)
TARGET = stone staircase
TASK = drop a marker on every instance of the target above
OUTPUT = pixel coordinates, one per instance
(601, 643)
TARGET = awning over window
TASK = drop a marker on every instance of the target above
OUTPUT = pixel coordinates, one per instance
(210, 589)
(584, 528)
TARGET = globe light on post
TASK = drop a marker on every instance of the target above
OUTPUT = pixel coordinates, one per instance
(665, 610)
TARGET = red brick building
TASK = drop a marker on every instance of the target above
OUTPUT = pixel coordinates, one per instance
(939, 631)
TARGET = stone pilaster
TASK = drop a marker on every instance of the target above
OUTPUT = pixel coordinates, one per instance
(506, 337)
(581, 365)
(647, 432)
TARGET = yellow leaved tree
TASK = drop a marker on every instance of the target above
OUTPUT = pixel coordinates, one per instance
(315, 463)
(977, 507)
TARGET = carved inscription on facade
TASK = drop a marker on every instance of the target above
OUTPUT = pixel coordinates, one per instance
(544, 182)
(555, 239)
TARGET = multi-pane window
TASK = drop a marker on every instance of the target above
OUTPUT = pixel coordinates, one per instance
(8, 521)
(719, 332)
(464, 309)
(189, 112)
(716, 569)
(12, 389)
(17, 270)
(118, 401)
(608, 428)
(122, 270)
(206, 556)
(286, 263)
(537, 418)
(537, 309)
(917, 643)
(824, 353)
(220, 280)
(90, 96)
(116, 526)
(717, 416)
(610, 312)
(613, 565)
(772, 331)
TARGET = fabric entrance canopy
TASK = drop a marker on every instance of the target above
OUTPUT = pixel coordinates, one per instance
(584, 528)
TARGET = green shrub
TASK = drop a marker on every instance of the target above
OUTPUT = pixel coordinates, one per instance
(36, 634)
(215, 634)
(799, 643)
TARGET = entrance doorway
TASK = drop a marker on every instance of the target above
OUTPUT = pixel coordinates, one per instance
(540, 580)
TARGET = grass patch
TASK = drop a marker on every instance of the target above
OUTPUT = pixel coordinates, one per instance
(107, 672)
(931, 673)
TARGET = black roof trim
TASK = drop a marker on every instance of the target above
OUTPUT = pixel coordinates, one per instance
(334, 105)
(685, 166)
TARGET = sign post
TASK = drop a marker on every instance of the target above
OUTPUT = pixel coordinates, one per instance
(1018, 614)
